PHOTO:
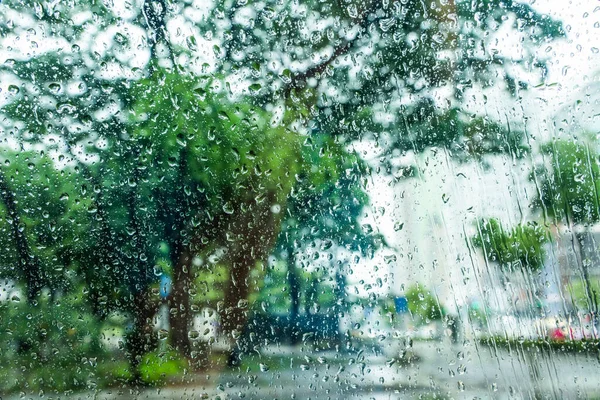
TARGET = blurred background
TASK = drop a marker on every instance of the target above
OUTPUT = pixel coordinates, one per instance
(279, 199)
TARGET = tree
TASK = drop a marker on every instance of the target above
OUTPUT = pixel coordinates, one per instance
(423, 305)
(520, 248)
(228, 180)
(325, 211)
(359, 60)
(169, 160)
(568, 193)
(568, 189)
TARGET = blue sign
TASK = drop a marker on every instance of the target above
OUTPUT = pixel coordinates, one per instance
(401, 305)
(165, 286)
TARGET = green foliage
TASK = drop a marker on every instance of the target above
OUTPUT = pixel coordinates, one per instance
(226, 148)
(579, 346)
(521, 247)
(569, 187)
(324, 209)
(577, 293)
(60, 332)
(329, 200)
(466, 138)
(315, 288)
(423, 305)
(159, 367)
(402, 53)
(52, 215)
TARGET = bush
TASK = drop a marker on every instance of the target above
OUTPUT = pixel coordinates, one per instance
(423, 305)
(159, 367)
(521, 247)
(52, 344)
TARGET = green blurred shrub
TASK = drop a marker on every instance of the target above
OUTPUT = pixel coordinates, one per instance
(53, 344)
(477, 315)
(157, 368)
(521, 247)
(423, 306)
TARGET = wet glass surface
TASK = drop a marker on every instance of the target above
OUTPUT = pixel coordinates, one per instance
(325, 199)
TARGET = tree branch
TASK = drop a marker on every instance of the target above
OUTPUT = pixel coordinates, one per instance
(154, 14)
(299, 80)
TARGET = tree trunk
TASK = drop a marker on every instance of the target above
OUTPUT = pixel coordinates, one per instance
(294, 285)
(180, 315)
(235, 309)
(256, 229)
(590, 293)
(28, 262)
(142, 338)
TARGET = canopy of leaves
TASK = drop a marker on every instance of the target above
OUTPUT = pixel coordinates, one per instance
(327, 203)
(422, 304)
(569, 182)
(189, 161)
(521, 247)
(230, 150)
(365, 59)
(51, 215)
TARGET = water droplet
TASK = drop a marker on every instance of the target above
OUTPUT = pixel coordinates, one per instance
(163, 334)
(352, 11)
(200, 93)
(54, 87)
(228, 208)
(120, 38)
(255, 88)
(191, 43)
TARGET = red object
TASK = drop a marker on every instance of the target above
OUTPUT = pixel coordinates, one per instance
(557, 334)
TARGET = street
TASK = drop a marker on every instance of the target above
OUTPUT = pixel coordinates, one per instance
(439, 370)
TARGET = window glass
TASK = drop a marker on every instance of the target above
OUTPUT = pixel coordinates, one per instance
(299, 199)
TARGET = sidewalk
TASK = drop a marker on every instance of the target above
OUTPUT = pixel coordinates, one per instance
(443, 370)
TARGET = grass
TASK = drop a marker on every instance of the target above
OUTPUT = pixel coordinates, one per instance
(60, 378)
(584, 346)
